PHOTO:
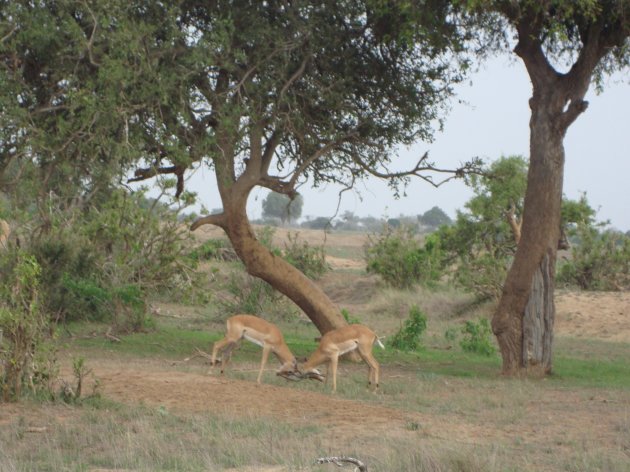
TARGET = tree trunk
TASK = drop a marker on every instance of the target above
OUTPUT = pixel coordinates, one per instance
(523, 321)
(261, 263)
(282, 276)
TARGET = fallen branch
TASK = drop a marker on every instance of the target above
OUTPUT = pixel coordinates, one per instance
(339, 462)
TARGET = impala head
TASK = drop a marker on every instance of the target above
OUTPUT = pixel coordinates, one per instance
(289, 370)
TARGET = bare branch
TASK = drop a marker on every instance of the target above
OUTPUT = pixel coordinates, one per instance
(320, 152)
(149, 172)
(90, 42)
(422, 166)
(295, 76)
(217, 220)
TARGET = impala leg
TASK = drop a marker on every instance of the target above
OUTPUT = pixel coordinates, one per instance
(219, 346)
(334, 360)
(369, 359)
(265, 356)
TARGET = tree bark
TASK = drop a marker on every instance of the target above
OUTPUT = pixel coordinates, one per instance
(524, 319)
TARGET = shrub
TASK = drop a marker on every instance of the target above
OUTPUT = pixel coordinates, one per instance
(599, 260)
(310, 260)
(408, 336)
(400, 259)
(477, 338)
(27, 358)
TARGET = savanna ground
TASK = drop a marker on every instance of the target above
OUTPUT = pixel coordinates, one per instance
(159, 408)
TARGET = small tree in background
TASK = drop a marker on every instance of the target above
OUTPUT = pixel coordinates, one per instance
(280, 206)
(434, 218)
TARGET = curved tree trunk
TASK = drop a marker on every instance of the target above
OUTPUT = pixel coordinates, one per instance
(260, 262)
(282, 276)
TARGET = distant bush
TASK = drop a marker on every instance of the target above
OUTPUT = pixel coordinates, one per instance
(477, 338)
(408, 337)
(321, 222)
(401, 260)
(599, 260)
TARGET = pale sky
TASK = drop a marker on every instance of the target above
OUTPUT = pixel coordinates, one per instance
(493, 122)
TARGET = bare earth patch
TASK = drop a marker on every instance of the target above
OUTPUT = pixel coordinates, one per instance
(594, 315)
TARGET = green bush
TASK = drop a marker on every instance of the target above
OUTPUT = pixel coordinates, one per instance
(599, 260)
(477, 338)
(27, 357)
(401, 260)
(408, 336)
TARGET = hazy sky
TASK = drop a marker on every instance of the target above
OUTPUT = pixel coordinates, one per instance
(493, 122)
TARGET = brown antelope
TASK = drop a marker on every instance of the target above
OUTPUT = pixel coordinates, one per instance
(260, 332)
(340, 341)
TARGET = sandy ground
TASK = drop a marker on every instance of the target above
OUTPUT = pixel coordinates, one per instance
(594, 315)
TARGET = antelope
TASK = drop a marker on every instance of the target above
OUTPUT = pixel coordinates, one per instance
(340, 341)
(260, 332)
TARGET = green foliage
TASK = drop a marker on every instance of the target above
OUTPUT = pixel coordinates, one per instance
(26, 356)
(408, 336)
(434, 218)
(480, 245)
(400, 259)
(477, 338)
(310, 260)
(600, 260)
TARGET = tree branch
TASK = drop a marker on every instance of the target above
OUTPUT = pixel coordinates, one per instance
(422, 166)
(149, 172)
(217, 220)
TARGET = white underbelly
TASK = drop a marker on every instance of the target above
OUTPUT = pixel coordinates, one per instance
(254, 340)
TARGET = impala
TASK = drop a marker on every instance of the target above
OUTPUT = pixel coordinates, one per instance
(261, 332)
(340, 341)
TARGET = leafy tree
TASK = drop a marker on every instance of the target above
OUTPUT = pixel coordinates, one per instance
(564, 45)
(483, 240)
(266, 94)
(277, 205)
(434, 218)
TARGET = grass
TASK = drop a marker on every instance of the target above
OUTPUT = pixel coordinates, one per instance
(440, 385)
